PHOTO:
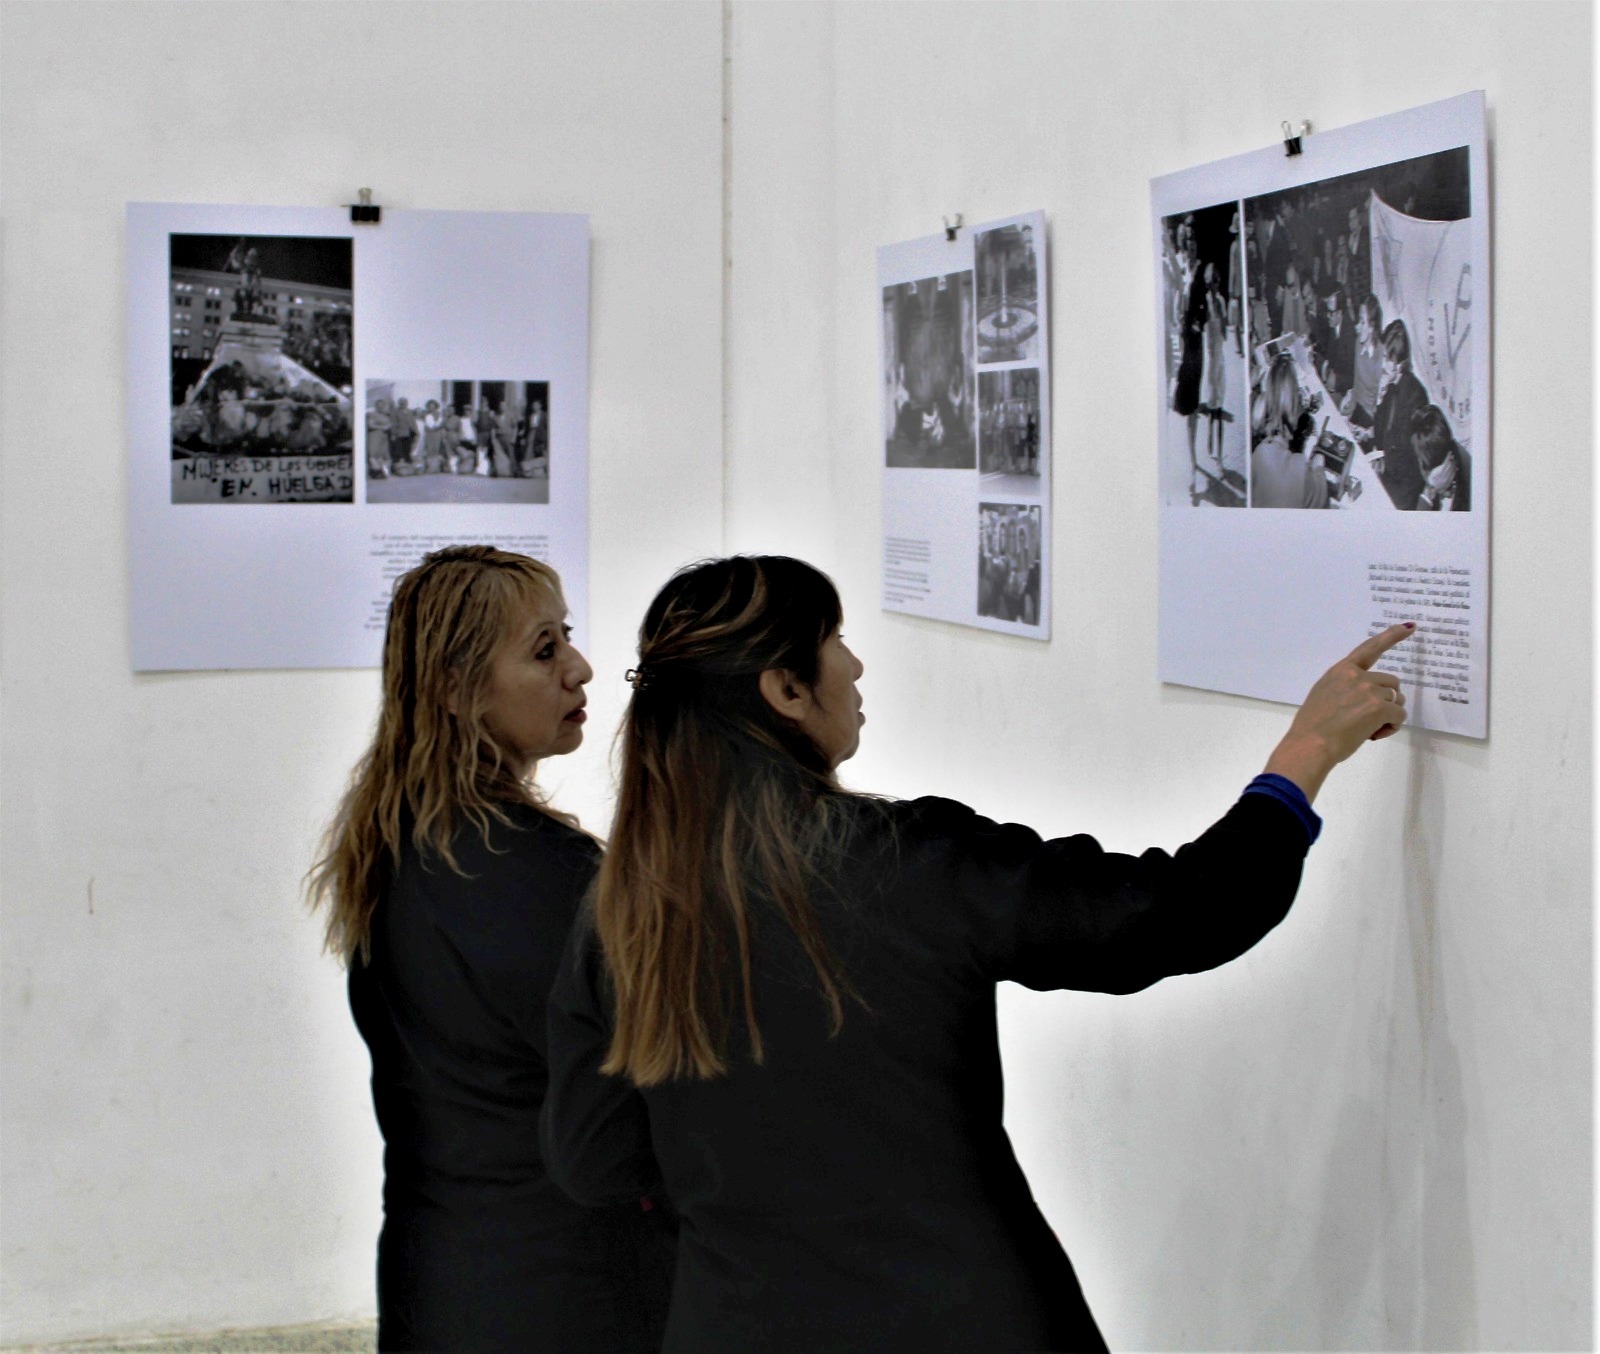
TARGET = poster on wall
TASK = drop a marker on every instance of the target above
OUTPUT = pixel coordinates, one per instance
(313, 406)
(966, 427)
(1323, 337)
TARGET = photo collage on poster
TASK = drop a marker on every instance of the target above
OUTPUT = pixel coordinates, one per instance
(349, 405)
(966, 427)
(1307, 329)
(1323, 337)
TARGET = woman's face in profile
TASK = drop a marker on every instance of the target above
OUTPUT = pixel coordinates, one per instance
(835, 719)
(535, 699)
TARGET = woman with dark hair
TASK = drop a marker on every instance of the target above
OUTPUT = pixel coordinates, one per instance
(1191, 360)
(1444, 464)
(1400, 398)
(801, 983)
(449, 885)
(1215, 364)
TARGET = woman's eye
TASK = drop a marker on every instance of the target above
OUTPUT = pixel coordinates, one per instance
(545, 654)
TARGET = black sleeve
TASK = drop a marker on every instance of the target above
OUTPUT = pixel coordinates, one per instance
(594, 1130)
(1069, 914)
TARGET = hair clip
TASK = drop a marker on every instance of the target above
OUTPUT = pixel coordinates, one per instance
(637, 678)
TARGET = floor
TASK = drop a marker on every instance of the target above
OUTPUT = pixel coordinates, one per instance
(324, 1338)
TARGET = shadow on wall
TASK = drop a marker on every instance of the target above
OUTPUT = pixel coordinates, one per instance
(1429, 1292)
(1389, 1262)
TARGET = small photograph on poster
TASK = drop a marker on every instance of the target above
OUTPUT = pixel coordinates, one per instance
(1009, 562)
(1361, 356)
(928, 373)
(1203, 432)
(434, 440)
(1008, 294)
(260, 373)
(1008, 431)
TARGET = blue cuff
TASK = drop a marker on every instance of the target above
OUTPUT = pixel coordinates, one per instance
(1291, 796)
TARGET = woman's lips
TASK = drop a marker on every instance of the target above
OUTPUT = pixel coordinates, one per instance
(577, 716)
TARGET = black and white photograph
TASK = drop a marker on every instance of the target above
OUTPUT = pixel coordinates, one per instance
(1361, 303)
(1007, 266)
(954, 400)
(308, 352)
(929, 401)
(261, 355)
(457, 441)
(1202, 432)
(1367, 316)
(1009, 562)
(1009, 431)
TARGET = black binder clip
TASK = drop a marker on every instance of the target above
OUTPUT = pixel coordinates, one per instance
(1291, 140)
(368, 213)
(951, 227)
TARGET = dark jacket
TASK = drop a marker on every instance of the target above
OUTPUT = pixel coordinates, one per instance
(479, 1249)
(859, 1193)
(1402, 476)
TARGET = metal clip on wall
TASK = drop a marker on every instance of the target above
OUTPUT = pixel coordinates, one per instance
(368, 213)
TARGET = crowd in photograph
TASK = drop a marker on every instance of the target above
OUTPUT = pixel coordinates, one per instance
(240, 412)
(1309, 261)
(1008, 564)
(1008, 424)
(322, 344)
(438, 439)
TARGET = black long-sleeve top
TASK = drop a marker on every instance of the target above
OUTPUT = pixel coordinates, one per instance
(479, 1249)
(859, 1193)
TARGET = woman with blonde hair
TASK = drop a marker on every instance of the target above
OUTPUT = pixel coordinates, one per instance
(1281, 474)
(449, 886)
(801, 983)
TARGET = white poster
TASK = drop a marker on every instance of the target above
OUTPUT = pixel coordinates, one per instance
(314, 405)
(1323, 346)
(966, 427)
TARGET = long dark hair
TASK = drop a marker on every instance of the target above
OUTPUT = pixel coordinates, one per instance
(725, 808)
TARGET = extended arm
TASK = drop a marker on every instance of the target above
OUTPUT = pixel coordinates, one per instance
(1069, 914)
(1349, 705)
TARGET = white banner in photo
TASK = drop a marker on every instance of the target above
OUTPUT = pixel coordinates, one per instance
(1422, 274)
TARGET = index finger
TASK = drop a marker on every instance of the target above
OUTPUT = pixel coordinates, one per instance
(1371, 649)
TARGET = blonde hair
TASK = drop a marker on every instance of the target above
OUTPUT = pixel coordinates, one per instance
(433, 764)
(1280, 402)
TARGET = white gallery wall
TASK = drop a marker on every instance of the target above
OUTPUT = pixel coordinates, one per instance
(187, 1134)
(1373, 1132)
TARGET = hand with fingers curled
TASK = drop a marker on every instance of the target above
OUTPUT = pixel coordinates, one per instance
(1349, 705)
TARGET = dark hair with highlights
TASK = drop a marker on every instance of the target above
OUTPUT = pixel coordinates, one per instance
(433, 764)
(726, 811)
